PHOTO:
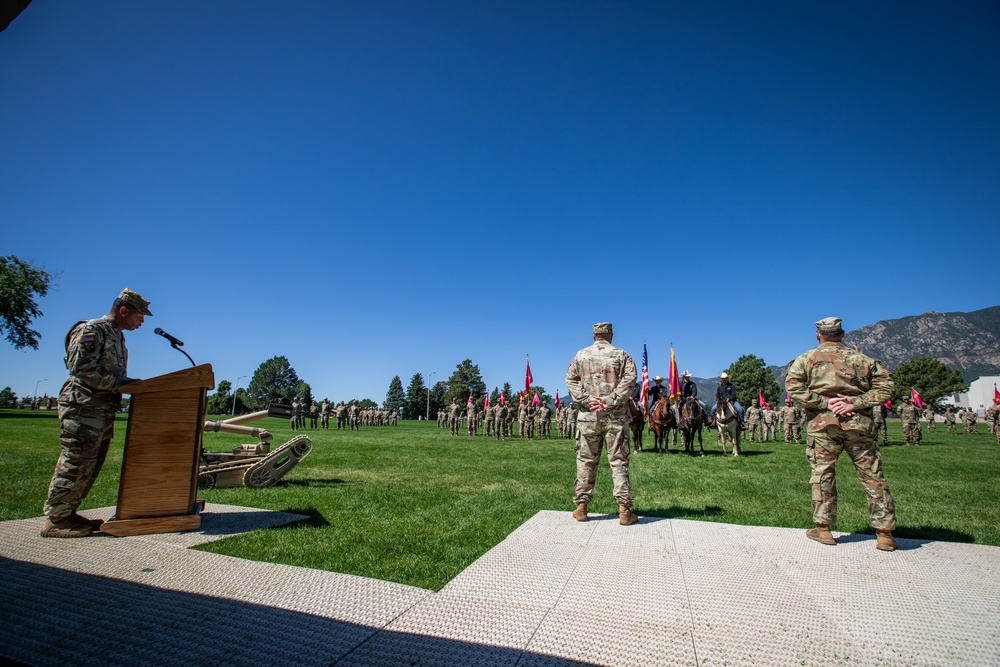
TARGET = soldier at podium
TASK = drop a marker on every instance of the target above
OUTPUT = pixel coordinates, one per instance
(97, 362)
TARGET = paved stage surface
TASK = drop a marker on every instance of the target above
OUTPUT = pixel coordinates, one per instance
(555, 592)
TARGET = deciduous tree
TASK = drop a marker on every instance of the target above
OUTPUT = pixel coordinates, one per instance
(19, 283)
(931, 378)
(274, 381)
(750, 375)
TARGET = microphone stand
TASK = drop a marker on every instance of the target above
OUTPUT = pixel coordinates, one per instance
(184, 353)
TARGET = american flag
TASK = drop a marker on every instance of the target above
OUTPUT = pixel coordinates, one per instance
(644, 396)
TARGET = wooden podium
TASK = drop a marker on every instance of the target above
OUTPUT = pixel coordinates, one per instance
(159, 479)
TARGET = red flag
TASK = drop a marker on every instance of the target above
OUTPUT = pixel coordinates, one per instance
(763, 403)
(486, 401)
(996, 394)
(675, 379)
(520, 399)
(469, 402)
(536, 400)
(503, 401)
(888, 404)
(527, 377)
(917, 400)
(557, 399)
(644, 395)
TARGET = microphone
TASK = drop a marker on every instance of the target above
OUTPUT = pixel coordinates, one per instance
(173, 341)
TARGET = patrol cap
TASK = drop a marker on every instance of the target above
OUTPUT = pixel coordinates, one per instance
(133, 299)
(603, 328)
(830, 326)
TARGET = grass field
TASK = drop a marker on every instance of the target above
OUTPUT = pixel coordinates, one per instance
(414, 505)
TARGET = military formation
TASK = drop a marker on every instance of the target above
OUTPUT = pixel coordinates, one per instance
(497, 420)
(346, 415)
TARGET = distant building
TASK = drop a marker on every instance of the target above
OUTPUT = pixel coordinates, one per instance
(979, 397)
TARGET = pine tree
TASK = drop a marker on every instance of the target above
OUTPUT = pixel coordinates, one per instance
(415, 406)
(274, 381)
(932, 380)
(750, 376)
(395, 399)
(465, 380)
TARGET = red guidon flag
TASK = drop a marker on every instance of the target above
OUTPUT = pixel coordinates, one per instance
(917, 400)
(527, 377)
(763, 403)
(675, 379)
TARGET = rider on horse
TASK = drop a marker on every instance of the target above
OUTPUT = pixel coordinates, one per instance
(726, 389)
(657, 391)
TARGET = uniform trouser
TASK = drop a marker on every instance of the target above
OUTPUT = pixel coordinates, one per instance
(951, 427)
(911, 433)
(85, 437)
(788, 433)
(881, 432)
(822, 450)
(756, 429)
(594, 436)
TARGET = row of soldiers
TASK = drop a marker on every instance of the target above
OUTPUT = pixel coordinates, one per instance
(534, 421)
(348, 416)
(910, 415)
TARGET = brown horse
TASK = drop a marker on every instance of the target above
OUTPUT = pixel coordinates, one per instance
(661, 420)
(693, 417)
(636, 422)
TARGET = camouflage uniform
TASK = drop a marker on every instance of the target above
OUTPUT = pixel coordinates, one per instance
(293, 421)
(909, 414)
(313, 415)
(522, 417)
(454, 417)
(929, 416)
(354, 417)
(949, 419)
(97, 361)
(341, 414)
(812, 380)
(602, 371)
(992, 416)
(789, 415)
(755, 426)
(770, 418)
(571, 423)
(878, 414)
(500, 431)
(325, 413)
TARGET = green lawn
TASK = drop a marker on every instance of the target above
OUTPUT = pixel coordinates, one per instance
(414, 505)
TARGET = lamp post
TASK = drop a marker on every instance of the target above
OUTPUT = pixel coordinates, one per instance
(35, 394)
(427, 417)
(233, 411)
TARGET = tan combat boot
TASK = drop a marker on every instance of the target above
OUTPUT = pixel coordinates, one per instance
(625, 516)
(580, 513)
(821, 533)
(884, 541)
(66, 527)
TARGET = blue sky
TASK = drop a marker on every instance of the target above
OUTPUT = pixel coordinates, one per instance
(387, 188)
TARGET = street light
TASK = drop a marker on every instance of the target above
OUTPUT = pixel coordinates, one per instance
(233, 411)
(427, 417)
(35, 395)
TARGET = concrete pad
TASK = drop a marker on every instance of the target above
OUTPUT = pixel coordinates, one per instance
(556, 592)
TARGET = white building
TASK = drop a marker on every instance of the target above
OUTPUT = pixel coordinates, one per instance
(979, 397)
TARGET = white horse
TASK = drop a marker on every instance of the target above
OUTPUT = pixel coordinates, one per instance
(728, 423)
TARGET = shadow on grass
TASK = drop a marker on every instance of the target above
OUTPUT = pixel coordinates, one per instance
(315, 520)
(29, 414)
(679, 512)
(313, 483)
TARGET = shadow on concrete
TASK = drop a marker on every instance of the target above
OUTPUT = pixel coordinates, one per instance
(53, 616)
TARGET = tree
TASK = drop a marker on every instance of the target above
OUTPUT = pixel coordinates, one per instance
(749, 374)
(304, 393)
(274, 381)
(543, 396)
(220, 402)
(439, 395)
(465, 380)
(395, 399)
(416, 398)
(932, 380)
(8, 399)
(19, 283)
(366, 403)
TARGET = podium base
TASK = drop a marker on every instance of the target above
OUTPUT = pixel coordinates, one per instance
(152, 525)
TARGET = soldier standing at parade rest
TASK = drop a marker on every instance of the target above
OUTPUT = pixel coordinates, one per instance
(838, 388)
(600, 379)
(992, 416)
(755, 422)
(929, 416)
(789, 415)
(97, 361)
(949, 419)
(909, 414)
(879, 413)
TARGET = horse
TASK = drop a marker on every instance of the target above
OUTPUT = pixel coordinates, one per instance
(693, 417)
(661, 420)
(727, 420)
(636, 422)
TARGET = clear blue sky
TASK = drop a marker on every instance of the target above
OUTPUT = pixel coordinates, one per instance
(385, 188)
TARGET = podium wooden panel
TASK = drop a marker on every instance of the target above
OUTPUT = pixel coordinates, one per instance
(159, 478)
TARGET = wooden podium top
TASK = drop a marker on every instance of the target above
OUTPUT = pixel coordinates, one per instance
(198, 376)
